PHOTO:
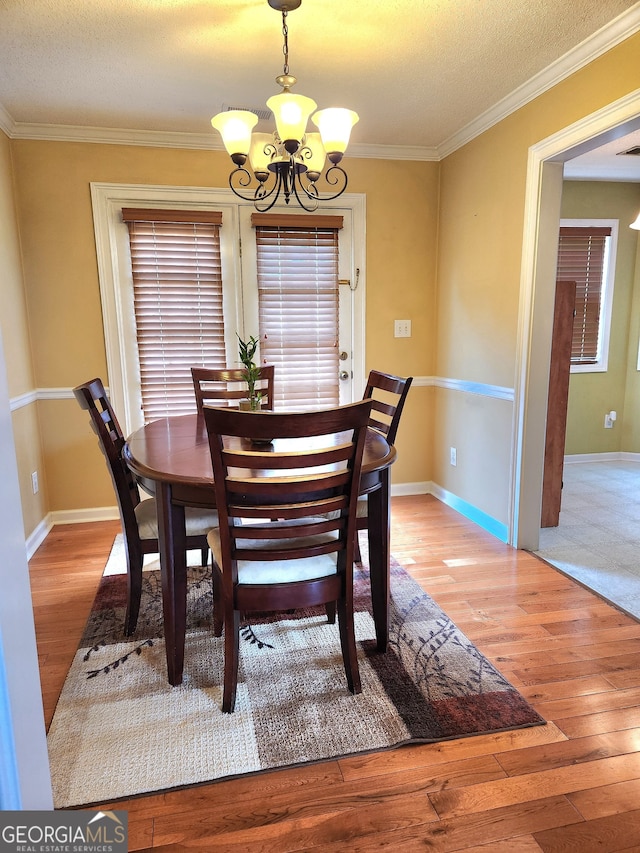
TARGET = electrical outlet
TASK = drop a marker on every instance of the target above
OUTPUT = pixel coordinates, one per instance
(34, 482)
(453, 456)
(402, 329)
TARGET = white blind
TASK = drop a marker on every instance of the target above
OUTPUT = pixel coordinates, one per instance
(581, 258)
(297, 262)
(177, 281)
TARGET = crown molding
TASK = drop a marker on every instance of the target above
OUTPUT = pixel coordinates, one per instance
(612, 34)
(113, 136)
(162, 139)
(394, 152)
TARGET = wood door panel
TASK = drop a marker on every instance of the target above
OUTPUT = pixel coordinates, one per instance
(559, 372)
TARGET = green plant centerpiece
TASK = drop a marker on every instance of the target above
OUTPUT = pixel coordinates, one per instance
(247, 350)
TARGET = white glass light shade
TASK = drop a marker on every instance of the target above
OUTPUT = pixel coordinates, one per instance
(291, 113)
(315, 162)
(261, 151)
(636, 224)
(335, 125)
(235, 126)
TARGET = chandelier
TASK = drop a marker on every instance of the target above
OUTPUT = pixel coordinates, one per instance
(288, 162)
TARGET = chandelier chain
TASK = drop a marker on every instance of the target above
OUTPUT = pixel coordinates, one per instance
(285, 46)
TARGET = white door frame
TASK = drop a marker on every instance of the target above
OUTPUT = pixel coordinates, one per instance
(25, 781)
(114, 267)
(537, 285)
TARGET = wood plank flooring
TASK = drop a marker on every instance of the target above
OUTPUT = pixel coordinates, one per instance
(572, 785)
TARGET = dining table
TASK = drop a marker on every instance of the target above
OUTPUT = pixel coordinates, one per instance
(171, 460)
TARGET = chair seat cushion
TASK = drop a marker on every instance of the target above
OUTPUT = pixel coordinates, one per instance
(279, 571)
(362, 509)
(198, 521)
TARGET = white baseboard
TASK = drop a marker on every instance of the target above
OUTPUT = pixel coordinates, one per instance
(68, 516)
(619, 456)
(426, 487)
(110, 513)
(78, 516)
(411, 489)
(37, 537)
(487, 522)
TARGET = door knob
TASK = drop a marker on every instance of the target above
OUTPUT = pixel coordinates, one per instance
(344, 374)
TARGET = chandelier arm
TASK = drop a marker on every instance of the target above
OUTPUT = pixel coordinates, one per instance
(340, 178)
(242, 178)
(262, 193)
(258, 200)
(297, 183)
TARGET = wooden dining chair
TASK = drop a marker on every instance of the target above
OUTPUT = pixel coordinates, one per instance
(138, 517)
(219, 386)
(305, 558)
(388, 394)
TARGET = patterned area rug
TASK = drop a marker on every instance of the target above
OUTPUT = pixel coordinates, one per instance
(120, 730)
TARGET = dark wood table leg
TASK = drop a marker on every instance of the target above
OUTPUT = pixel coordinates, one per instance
(379, 554)
(173, 568)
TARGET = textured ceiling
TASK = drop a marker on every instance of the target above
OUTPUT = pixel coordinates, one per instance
(416, 71)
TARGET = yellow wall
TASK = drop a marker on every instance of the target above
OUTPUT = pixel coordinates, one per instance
(593, 394)
(17, 351)
(630, 438)
(479, 256)
(468, 209)
(13, 316)
(63, 298)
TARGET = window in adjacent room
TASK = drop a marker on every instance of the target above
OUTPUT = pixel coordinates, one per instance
(586, 255)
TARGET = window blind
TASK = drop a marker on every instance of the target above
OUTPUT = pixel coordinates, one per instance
(297, 263)
(581, 258)
(177, 284)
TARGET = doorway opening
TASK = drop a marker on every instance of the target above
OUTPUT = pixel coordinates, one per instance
(537, 294)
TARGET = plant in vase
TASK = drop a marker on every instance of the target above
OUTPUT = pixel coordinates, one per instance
(247, 350)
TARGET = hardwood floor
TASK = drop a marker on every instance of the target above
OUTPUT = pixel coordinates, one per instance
(572, 785)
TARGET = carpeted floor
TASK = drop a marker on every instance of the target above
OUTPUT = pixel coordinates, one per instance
(120, 730)
(597, 539)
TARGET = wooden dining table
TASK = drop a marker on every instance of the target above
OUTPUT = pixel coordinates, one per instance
(170, 458)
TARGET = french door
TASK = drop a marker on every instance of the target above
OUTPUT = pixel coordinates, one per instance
(299, 290)
(240, 296)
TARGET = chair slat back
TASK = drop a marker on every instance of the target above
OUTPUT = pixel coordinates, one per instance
(226, 386)
(388, 394)
(310, 483)
(93, 398)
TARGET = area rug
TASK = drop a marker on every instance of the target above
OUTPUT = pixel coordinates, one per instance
(120, 730)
